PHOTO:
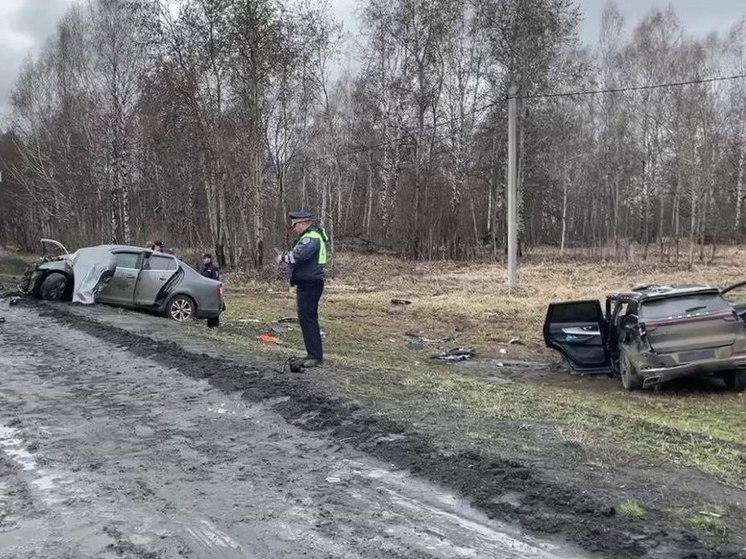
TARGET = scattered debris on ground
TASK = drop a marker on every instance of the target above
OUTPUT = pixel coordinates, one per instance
(400, 302)
(419, 337)
(269, 339)
(278, 328)
(455, 354)
(416, 344)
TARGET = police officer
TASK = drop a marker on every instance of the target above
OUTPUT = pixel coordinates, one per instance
(307, 262)
(210, 270)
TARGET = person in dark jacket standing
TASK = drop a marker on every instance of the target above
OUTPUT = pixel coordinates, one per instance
(307, 262)
(211, 271)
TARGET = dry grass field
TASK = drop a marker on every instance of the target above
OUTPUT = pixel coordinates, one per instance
(515, 398)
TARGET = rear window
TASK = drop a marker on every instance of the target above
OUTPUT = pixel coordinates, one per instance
(156, 262)
(679, 306)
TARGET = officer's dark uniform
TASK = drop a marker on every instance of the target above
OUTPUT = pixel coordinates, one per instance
(308, 261)
(213, 272)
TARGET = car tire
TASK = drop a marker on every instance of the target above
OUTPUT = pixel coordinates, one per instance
(735, 380)
(630, 380)
(54, 287)
(181, 308)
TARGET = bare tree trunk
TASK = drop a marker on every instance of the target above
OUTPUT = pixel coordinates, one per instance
(474, 221)
(124, 178)
(114, 215)
(369, 204)
(564, 202)
(339, 195)
(304, 185)
(692, 226)
(258, 209)
(739, 190)
(677, 213)
(703, 227)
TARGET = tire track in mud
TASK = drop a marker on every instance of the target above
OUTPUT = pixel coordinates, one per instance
(504, 489)
(123, 457)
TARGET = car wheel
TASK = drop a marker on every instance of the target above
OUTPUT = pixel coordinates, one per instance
(54, 287)
(630, 380)
(181, 308)
(735, 380)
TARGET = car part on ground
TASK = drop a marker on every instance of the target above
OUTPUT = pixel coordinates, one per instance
(652, 335)
(455, 354)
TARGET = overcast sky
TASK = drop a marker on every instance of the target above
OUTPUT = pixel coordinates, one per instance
(26, 24)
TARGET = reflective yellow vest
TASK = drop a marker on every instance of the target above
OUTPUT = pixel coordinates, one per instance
(322, 244)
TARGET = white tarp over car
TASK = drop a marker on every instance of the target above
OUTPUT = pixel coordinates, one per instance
(92, 268)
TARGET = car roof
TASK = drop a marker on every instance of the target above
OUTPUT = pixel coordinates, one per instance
(644, 293)
(125, 247)
(132, 248)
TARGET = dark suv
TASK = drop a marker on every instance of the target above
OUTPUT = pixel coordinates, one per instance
(654, 334)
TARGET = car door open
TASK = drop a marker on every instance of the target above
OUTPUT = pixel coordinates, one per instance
(577, 330)
(157, 270)
(121, 288)
(736, 297)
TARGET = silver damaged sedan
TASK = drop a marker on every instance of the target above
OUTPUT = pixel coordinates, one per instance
(126, 276)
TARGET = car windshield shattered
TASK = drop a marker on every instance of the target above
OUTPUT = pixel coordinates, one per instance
(680, 306)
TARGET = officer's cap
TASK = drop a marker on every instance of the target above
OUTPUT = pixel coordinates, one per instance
(302, 215)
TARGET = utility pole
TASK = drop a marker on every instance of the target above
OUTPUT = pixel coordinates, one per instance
(512, 189)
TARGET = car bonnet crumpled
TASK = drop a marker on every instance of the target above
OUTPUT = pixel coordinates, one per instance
(90, 266)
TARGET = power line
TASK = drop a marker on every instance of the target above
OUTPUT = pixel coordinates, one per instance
(477, 110)
(631, 88)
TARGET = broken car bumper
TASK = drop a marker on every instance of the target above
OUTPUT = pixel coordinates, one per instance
(653, 377)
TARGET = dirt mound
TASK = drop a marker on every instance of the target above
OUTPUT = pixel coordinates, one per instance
(503, 488)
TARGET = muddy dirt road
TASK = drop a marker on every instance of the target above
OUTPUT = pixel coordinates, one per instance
(106, 451)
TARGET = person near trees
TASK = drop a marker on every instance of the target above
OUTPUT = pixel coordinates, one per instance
(307, 262)
(211, 271)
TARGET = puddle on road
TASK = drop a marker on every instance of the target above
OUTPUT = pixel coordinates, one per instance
(455, 528)
(221, 411)
(46, 482)
(12, 445)
(22, 538)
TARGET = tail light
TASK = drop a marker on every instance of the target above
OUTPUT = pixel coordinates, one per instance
(220, 289)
